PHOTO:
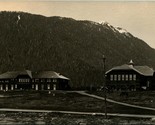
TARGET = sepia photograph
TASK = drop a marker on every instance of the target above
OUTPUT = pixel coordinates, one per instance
(80, 62)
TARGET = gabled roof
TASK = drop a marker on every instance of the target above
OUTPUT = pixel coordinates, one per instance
(26, 72)
(8, 75)
(123, 67)
(143, 70)
(49, 74)
(42, 74)
(14, 74)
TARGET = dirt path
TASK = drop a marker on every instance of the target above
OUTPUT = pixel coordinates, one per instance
(113, 101)
(76, 113)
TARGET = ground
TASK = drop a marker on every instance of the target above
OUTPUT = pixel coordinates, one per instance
(141, 98)
(71, 101)
(61, 100)
(65, 119)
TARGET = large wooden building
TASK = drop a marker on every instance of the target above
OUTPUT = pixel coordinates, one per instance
(28, 80)
(130, 77)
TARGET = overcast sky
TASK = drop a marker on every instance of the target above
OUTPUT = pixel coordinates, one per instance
(138, 18)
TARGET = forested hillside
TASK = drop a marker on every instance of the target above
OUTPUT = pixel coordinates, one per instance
(71, 47)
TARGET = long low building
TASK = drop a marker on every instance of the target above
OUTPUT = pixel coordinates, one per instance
(28, 80)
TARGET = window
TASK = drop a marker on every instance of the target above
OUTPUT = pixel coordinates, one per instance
(115, 77)
(54, 80)
(148, 83)
(6, 87)
(15, 86)
(126, 77)
(134, 77)
(122, 77)
(111, 77)
(19, 80)
(119, 77)
(54, 87)
(130, 77)
(27, 80)
(7, 81)
(32, 86)
(1, 87)
(48, 80)
(12, 87)
(24, 80)
(36, 80)
(48, 86)
(36, 86)
(42, 87)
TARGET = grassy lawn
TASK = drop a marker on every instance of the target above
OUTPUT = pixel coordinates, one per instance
(57, 100)
(61, 100)
(141, 98)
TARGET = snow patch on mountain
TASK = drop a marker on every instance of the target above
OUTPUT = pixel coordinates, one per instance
(120, 30)
(123, 31)
(94, 23)
(61, 18)
(108, 26)
(18, 18)
(116, 29)
(105, 23)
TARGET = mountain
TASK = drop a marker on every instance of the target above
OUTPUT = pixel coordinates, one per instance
(71, 47)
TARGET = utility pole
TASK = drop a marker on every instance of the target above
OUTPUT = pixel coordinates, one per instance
(104, 85)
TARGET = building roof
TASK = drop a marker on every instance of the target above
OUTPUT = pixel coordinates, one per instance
(143, 70)
(42, 74)
(14, 74)
(49, 74)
